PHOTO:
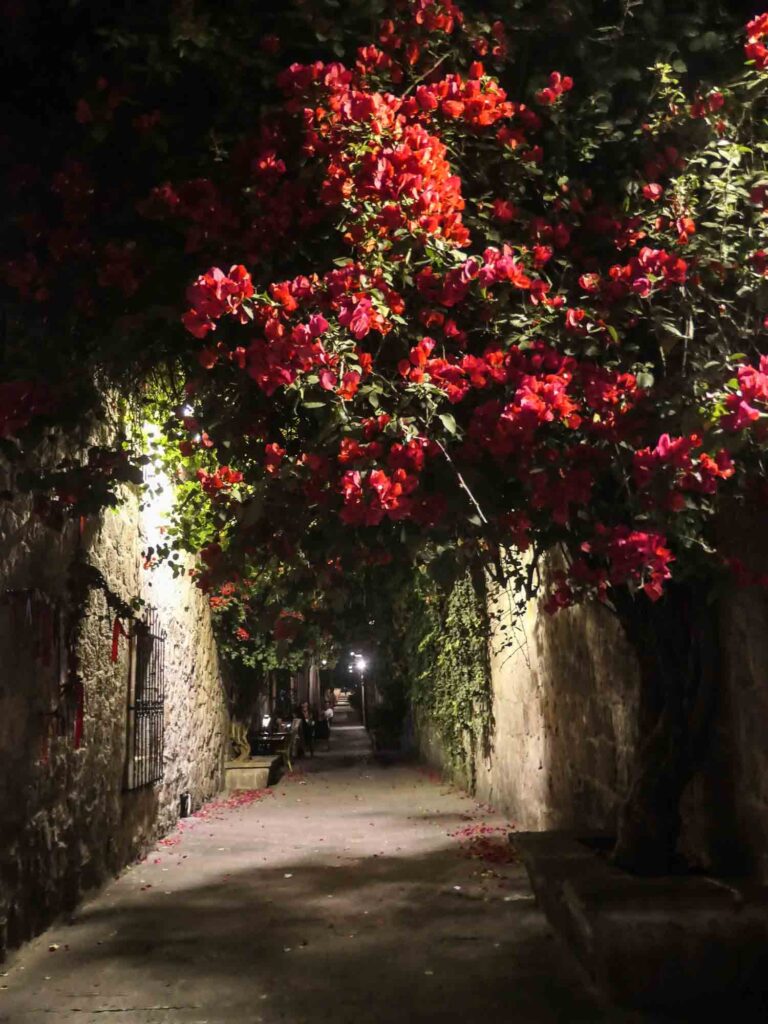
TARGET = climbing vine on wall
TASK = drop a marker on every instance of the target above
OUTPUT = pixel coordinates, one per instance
(444, 646)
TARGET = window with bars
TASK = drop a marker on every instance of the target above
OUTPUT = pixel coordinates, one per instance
(146, 703)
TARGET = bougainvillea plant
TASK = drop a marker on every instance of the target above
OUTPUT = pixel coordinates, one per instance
(491, 290)
(528, 331)
(105, 105)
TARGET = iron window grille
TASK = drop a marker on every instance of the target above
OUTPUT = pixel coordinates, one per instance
(146, 703)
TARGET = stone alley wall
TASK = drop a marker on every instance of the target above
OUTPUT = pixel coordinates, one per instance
(67, 821)
(564, 693)
(564, 699)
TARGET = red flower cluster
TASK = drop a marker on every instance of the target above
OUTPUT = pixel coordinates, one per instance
(404, 183)
(373, 61)
(503, 428)
(653, 191)
(455, 376)
(273, 458)
(609, 396)
(479, 101)
(752, 389)
(498, 266)
(755, 48)
(423, 18)
(558, 84)
(213, 295)
(198, 205)
(287, 625)
(283, 353)
(672, 469)
(710, 104)
(219, 482)
(370, 498)
(651, 270)
(287, 349)
(632, 556)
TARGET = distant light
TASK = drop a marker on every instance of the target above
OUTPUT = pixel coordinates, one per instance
(361, 663)
(187, 410)
(323, 662)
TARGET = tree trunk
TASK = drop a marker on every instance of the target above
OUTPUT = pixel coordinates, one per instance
(676, 642)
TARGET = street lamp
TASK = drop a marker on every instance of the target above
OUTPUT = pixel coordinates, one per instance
(360, 665)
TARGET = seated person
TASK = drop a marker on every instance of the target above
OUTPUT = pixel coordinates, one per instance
(308, 728)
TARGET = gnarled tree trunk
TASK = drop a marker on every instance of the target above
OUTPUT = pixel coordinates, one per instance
(677, 645)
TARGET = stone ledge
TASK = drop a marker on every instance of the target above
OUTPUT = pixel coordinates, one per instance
(661, 944)
(255, 773)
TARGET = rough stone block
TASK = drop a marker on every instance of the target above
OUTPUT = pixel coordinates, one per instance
(256, 773)
(676, 944)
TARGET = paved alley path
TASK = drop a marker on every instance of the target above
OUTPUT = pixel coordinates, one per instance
(341, 895)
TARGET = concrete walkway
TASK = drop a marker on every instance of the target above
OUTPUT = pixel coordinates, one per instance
(351, 892)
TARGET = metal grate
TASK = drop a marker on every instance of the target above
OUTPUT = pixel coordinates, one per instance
(146, 704)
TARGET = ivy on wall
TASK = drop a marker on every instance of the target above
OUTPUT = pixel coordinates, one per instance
(438, 652)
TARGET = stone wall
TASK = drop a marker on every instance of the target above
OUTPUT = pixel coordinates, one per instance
(564, 706)
(564, 699)
(66, 819)
(726, 807)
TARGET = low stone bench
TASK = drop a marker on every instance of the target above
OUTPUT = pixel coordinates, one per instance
(253, 773)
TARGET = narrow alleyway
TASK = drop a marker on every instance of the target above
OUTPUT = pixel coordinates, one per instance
(340, 895)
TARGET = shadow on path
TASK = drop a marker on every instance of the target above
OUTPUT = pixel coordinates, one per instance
(340, 896)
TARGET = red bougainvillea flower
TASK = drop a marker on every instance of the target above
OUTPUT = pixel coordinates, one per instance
(755, 48)
(653, 191)
(212, 295)
(750, 401)
(635, 556)
(219, 482)
(273, 457)
(558, 84)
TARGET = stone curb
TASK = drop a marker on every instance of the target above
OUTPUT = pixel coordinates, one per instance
(670, 944)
